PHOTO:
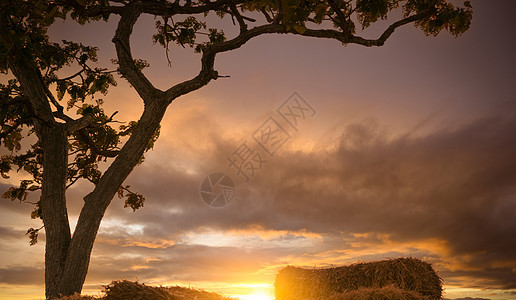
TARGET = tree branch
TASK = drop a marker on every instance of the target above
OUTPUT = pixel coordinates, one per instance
(158, 8)
(33, 87)
(344, 38)
(60, 109)
(71, 76)
(128, 68)
(81, 123)
(207, 72)
(343, 22)
(390, 30)
(266, 14)
(238, 16)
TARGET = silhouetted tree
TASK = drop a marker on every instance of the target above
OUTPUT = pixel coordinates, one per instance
(72, 131)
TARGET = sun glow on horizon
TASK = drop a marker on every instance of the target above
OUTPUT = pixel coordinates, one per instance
(261, 295)
(255, 291)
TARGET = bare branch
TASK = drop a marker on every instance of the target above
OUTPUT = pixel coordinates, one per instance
(60, 110)
(266, 14)
(279, 16)
(71, 76)
(81, 123)
(123, 49)
(73, 126)
(207, 72)
(238, 16)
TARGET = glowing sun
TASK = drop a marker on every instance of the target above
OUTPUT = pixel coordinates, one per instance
(257, 296)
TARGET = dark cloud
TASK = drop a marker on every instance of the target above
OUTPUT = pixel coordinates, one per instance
(456, 185)
(21, 275)
(494, 277)
(10, 233)
(443, 192)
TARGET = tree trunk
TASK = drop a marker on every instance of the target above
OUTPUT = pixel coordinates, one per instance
(67, 258)
(53, 206)
(77, 261)
(53, 139)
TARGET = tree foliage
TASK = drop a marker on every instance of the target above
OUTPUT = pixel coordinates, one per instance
(52, 97)
(71, 95)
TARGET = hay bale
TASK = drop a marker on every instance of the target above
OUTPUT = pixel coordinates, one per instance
(128, 290)
(409, 274)
(385, 293)
(124, 289)
(78, 296)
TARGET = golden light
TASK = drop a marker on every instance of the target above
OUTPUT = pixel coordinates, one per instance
(257, 296)
(255, 291)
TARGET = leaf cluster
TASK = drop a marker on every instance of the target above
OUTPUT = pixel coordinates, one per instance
(14, 115)
(456, 20)
(132, 200)
(72, 81)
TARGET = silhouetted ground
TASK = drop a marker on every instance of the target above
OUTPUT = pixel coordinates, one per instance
(129, 290)
(393, 279)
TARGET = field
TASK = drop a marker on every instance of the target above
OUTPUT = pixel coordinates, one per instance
(394, 279)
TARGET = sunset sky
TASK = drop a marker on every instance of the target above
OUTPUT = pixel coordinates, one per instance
(409, 150)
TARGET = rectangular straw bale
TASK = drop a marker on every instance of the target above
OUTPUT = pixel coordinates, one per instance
(409, 274)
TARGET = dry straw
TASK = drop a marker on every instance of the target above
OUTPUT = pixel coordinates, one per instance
(123, 290)
(129, 290)
(385, 293)
(402, 278)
